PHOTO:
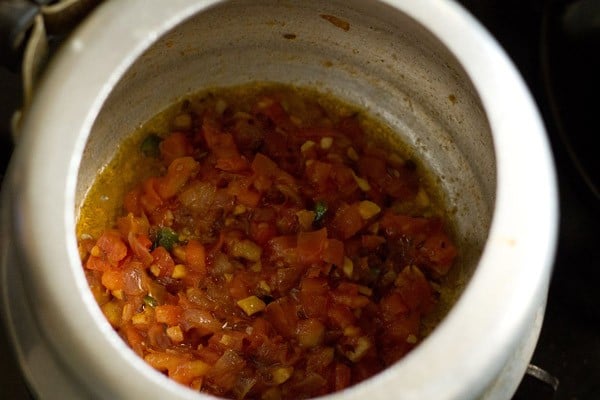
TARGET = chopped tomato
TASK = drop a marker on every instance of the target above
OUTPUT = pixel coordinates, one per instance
(223, 146)
(179, 172)
(195, 256)
(348, 221)
(112, 247)
(168, 314)
(310, 245)
(163, 261)
(174, 146)
(269, 258)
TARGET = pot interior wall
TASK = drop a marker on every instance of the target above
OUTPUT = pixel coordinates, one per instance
(369, 55)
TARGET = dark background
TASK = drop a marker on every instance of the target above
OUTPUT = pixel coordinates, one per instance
(555, 45)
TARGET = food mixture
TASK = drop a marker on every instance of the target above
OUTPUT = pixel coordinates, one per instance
(276, 249)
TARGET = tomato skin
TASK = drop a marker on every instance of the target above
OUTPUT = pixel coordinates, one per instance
(97, 264)
(168, 314)
(112, 246)
(164, 261)
(440, 252)
(195, 256)
(132, 202)
(431, 245)
(140, 246)
(223, 146)
(262, 232)
(334, 252)
(282, 315)
(178, 174)
(174, 146)
(310, 245)
(342, 376)
(348, 221)
(112, 279)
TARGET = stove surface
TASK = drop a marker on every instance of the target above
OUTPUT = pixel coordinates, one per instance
(558, 65)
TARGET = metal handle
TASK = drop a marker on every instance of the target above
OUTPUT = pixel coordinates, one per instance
(543, 376)
(16, 20)
(25, 29)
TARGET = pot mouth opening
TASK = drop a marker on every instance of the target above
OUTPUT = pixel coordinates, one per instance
(431, 81)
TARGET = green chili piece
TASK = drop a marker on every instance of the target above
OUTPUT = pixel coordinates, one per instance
(150, 301)
(320, 210)
(167, 238)
(149, 146)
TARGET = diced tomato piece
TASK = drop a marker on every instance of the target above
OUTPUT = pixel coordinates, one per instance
(97, 264)
(395, 225)
(265, 167)
(439, 250)
(140, 245)
(342, 376)
(262, 232)
(310, 332)
(163, 260)
(238, 288)
(283, 316)
(314, 286)
(223, 146)
(187, 371)
(286, 278)
(319, 359)
(415, 289)
(314, 305)
(178, 174)
(284, 247)
(241, 190)
(150, 199)
(112, 279)
(176, 145)
(340, 316)
(372, 242)
(131, 223)
(314, 297)
(164, 361)
(392, 305)
(112, 246)
(372, 168)
(168, 314)
(131, 202)
(349, 298)
(134, 339)
(348, 221)
(311, 245)
(195, 256)
(334, 252)
(318, 174)
(275, 112)
(344, 179)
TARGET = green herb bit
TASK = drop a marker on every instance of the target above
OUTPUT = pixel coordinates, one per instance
(320, 210)
(167, 238)
(149, 146)
(150, 301)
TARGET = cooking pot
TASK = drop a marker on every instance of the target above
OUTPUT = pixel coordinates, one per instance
(428, 69)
